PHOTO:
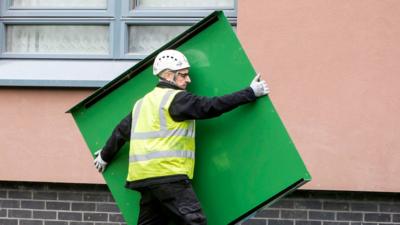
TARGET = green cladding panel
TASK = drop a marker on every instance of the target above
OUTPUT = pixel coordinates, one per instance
(244, 158)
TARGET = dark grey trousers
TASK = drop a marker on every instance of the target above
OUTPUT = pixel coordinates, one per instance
(172, 202)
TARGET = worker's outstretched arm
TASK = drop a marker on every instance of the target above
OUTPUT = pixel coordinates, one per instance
(187, 106)
(120, 135)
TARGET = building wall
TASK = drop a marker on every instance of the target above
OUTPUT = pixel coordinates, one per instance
(23, 203)
(333, 71)
(39, 141)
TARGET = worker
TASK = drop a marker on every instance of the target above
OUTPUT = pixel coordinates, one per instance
(161, 131)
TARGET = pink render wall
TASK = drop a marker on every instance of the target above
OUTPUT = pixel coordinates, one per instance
(39, 141)
(334, 72)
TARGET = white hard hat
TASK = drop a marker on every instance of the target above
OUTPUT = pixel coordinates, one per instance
(169, 59)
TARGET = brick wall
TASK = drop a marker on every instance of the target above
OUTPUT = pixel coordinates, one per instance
(57, 204)
(331, 208)
(23, 203)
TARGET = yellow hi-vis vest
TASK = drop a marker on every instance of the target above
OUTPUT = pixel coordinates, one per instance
(159, 146)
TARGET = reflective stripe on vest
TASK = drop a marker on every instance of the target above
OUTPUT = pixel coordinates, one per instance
(163, 132)
(163, 154)
(155, 153)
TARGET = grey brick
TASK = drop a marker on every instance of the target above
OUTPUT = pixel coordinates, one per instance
(362, 223)
(17, 213)
(100, 188)
(95, 217)
(70, 187)
(110, 198)
(78, 187)
(8, 222)
(396, 217)
(32, 204)
(81, 223)
(3, 194)
(107, 207)
(360, 196)
(390, 208)
(323, 195)
(308, 222)
(55, 223)
(334, 223)
(308, 204)
(268, 213)
(31, 186)
(339, 206)
(8, 185)
(255, 222)
(380, 196)
(293, 214)
(20, 194)
(45, 195)
(369, 207)
(288, 204)
(280, 222)
(349, 216)
(9, 204)
(321, 215)
(71, 196)
(299, 194)
(107, 223)
(44, 214)
(116, 218)
(83, 206)
(3, 212)
(377, 217)
(70, 216)
(30, 222)
(58, 205)
(95, 197)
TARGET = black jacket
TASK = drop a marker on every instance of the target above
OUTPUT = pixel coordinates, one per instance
(184, 106)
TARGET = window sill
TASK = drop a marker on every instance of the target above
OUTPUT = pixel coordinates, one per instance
(61, 73)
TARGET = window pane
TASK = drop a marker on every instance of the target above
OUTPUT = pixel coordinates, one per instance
(60, 4)
(145, 39)
(57, 39)
(186, 3)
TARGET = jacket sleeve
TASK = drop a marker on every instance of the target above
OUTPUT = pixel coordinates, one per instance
(186, 106)
(118, 138)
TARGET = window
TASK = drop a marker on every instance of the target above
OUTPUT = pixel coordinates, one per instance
(86, 43)
(144, 39)
(189, 4)
(57, 39)
(97, 29)
(58, 4)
